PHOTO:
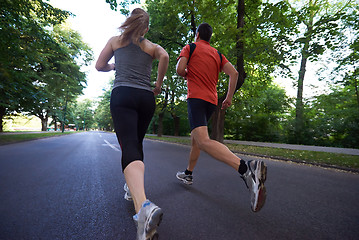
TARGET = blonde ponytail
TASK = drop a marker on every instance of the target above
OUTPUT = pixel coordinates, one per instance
(135, 26)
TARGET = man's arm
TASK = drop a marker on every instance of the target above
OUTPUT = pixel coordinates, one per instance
(233, 77)
(181, 67)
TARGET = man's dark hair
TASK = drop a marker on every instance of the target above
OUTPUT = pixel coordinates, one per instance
(205, 31)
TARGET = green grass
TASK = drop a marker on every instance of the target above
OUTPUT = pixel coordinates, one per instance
(19, 137)
(313, 157)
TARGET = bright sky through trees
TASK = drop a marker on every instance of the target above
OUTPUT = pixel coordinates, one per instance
(96, 23)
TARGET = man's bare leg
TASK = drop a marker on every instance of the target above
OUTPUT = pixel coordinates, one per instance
(194, 155)
(216, 149)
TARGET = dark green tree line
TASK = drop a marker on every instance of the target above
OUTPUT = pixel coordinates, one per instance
(274, 36)
(40, 60)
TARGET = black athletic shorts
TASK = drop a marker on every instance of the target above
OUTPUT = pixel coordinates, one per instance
(132, 110)
(199, 112)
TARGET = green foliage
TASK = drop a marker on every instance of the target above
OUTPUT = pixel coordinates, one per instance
(103, 116)
(276, 35)
(84, 114)
(123, 5)
(335, 119)
(259, 117)
(40, 67)
(23, 25)
(319, 29)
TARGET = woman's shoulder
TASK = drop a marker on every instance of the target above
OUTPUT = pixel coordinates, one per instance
(148, 42)
(117, 42)
(148, 46)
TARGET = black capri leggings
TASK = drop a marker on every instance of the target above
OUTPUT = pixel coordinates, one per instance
(132, 110)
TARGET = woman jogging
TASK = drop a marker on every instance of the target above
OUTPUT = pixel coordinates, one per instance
(133, 105)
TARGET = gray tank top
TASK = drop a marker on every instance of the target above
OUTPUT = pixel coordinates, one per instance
(133, 67)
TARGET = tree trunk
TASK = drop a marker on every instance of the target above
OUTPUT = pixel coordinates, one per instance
(240, 44)
(65, 111)
(193, 23)
(299, 107)
(55, 123)
(62, 123)
(176, 122)
(44, 124)
(153, 127)
(2, 115)
(219, 115)
(44, 117)
(356, 91)
(160, 124)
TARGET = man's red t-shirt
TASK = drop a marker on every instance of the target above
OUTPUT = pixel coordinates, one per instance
(202, 71)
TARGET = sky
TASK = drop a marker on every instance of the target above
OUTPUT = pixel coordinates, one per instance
(97, 23)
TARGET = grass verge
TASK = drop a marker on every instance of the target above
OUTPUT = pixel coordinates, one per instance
(20, 137)
(341, 161)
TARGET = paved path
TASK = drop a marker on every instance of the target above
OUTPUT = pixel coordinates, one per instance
(71, 187)
(350, 151)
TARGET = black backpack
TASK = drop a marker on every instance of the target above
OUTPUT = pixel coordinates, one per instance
(192, 47)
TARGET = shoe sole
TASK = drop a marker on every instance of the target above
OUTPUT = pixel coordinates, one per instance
(263, 172)
(184, 180)
(262, 195)
(262, 192)
(154, 237)
(155, 219)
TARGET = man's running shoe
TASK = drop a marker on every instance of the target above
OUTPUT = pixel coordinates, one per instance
(147, 220)
(187, 179)
(127, 196)
(254, 179)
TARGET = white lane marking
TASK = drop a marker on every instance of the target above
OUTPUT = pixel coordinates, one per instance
(112, 146)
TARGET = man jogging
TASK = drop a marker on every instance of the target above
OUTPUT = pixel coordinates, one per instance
(201, 64)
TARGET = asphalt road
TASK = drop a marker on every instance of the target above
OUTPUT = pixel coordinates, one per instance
(71, 187)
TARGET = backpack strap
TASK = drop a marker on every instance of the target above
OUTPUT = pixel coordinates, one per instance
(192, 47)
(220, 55)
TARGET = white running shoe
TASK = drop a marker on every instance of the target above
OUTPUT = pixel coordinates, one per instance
(254, 178)
(147, 220)
(187, 179)
(127, 195)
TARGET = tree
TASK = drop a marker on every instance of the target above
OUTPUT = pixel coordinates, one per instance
(320, 23)
(267, 109)
(173, 25)
(347, 71)
(85, 114)
(103, 116)
(58, 79)
(23, 25)
(335, 118)
(259, 49)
